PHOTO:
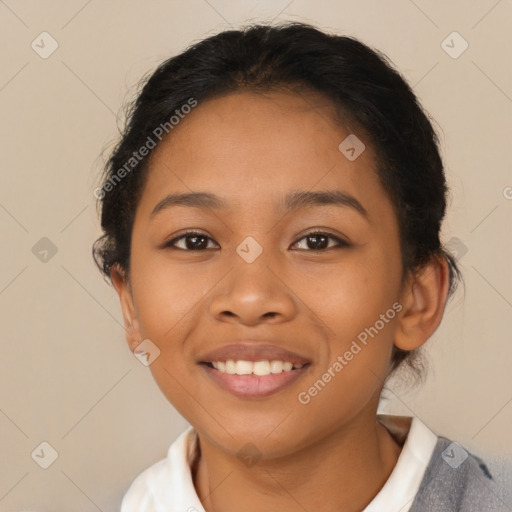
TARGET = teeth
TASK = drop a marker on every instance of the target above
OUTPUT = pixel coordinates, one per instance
(259, 368)
(230, 366)
(276, 366)
(243, 367)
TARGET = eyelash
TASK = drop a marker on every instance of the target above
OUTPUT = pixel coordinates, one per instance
(341, 243)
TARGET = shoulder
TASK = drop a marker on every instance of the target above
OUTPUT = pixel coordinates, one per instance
(167, 482)
(457, 480)
(140, 495)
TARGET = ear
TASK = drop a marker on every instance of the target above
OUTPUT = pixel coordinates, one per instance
(423, 299)
(122, 286)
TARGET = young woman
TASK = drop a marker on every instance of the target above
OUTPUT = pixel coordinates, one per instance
(271, 222)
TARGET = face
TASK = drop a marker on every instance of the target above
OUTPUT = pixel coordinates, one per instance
(312, 278)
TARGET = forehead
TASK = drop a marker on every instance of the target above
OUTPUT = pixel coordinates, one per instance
(250, 147)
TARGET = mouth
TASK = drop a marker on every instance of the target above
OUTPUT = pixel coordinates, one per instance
(254, 379)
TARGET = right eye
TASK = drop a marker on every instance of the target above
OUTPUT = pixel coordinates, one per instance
(194, 241)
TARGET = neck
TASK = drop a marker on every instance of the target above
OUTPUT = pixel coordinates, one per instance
(343, 471)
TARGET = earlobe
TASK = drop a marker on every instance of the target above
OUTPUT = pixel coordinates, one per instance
(121, 284)
(423, 298)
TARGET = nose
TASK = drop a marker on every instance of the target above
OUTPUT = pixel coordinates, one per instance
(253, 293)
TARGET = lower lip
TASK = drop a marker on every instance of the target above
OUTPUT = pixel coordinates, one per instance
(254, 386)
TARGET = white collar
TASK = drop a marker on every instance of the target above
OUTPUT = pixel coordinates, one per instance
(167, 485)
(402, 485)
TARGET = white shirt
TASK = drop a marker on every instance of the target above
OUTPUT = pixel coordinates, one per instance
(167, 485)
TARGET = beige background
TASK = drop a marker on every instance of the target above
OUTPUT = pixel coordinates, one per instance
(67, 376)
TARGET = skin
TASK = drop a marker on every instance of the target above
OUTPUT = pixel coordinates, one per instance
(252, 149)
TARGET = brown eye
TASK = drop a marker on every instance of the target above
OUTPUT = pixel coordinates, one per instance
(319, 240)
(193, 241)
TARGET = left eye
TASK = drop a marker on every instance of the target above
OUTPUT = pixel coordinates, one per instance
(319, 240)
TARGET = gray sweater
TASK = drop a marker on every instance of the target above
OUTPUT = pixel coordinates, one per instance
(458, 481)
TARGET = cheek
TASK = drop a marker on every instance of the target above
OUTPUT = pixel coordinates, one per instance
(356, 303)
(352, 294)
(165, 293)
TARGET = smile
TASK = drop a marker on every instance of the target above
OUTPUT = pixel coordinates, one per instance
(256, 379)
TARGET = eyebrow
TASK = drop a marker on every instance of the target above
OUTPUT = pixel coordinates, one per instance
(293, 201)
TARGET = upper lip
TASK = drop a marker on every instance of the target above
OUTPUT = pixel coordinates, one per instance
(252, 351)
